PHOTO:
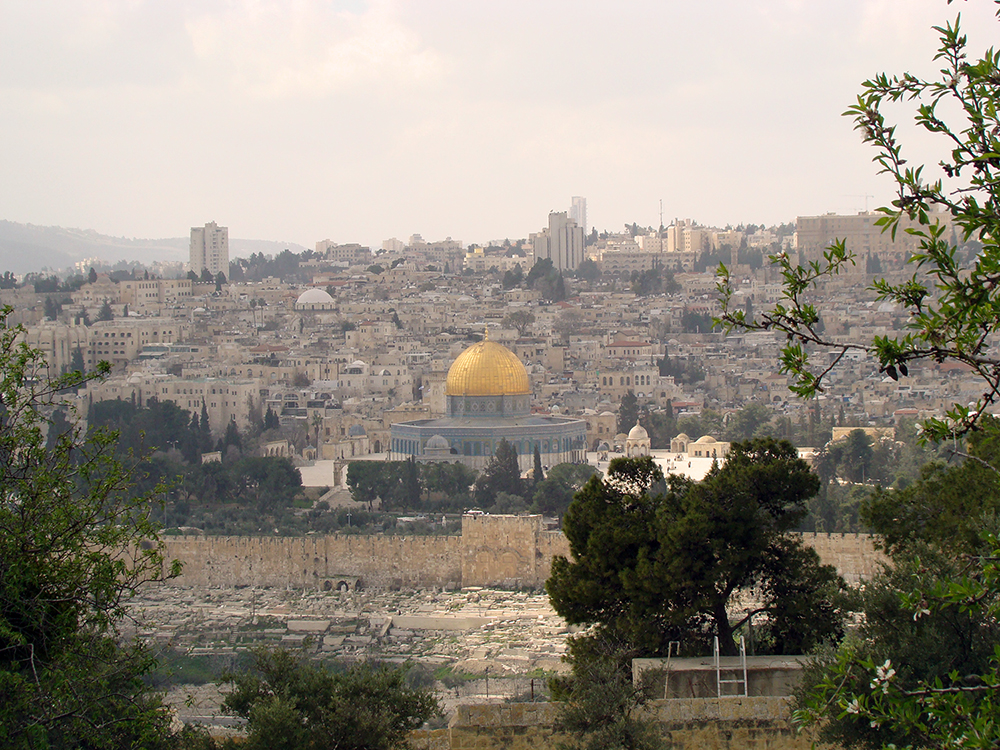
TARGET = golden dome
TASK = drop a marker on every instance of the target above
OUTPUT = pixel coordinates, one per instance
(487, 369)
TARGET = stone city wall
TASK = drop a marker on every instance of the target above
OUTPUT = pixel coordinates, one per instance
(322, 562)
(854, 555)
(493, 551)
(705, 724)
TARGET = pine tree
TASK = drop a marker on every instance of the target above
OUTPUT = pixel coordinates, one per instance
(502, 474)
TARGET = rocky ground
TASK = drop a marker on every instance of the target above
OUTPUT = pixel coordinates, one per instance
(476, 644)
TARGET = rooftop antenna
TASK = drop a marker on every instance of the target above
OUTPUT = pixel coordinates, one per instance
(661, 214)
(865, 196)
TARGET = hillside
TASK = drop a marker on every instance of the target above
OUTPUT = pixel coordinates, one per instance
(25, 248)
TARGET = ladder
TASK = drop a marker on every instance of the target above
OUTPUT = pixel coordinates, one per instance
(719, 682)
(673, 648)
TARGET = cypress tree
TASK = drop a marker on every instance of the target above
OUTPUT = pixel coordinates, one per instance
(536, 474)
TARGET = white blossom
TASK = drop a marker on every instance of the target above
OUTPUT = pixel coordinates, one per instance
(883, 674)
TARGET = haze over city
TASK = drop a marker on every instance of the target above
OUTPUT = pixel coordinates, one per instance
(360, 121)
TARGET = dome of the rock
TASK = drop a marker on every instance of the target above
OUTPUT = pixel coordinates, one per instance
(487, 369)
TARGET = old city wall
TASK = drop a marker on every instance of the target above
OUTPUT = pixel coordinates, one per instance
(496, 551)
(323, 562)
(854, 555)
(720, 724)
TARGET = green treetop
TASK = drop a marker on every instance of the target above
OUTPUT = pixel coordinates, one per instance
(662, 560)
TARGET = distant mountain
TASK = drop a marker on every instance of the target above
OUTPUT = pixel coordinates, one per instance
(25, 248)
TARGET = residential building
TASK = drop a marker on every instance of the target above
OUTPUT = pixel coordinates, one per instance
(210, 249)
(562, 242)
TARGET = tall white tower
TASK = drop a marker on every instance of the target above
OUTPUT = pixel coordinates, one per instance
(578, 212)
(210, 249)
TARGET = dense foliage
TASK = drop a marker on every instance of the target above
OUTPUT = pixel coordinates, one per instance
(501, 475)
(75, 544)
(290, 702)
(242, 493)
(600, 705)
(660, 560)
(920, 614)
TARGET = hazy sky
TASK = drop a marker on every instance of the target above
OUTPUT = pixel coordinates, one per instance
(358, 121)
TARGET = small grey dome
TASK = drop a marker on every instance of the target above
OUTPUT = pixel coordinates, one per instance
(437, 443)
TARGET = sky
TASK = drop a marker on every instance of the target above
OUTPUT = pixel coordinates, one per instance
(356, 121)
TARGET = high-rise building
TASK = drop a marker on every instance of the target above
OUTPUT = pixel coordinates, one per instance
(578, 212)
(210, 249)
(562, 242)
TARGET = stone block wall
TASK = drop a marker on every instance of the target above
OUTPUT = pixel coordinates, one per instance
(854, 555)
(497, 551)
(500, 551)
(512, 726)
(695, 724)
(322, 562)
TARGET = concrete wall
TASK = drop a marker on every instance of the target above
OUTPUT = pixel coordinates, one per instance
(498, 551)
(726, 724)
(696, 677)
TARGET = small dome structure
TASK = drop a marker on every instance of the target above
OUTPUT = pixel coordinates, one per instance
(437, 443)
(314, 299)
(637, 443)
(638, 432)
(679, 444)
